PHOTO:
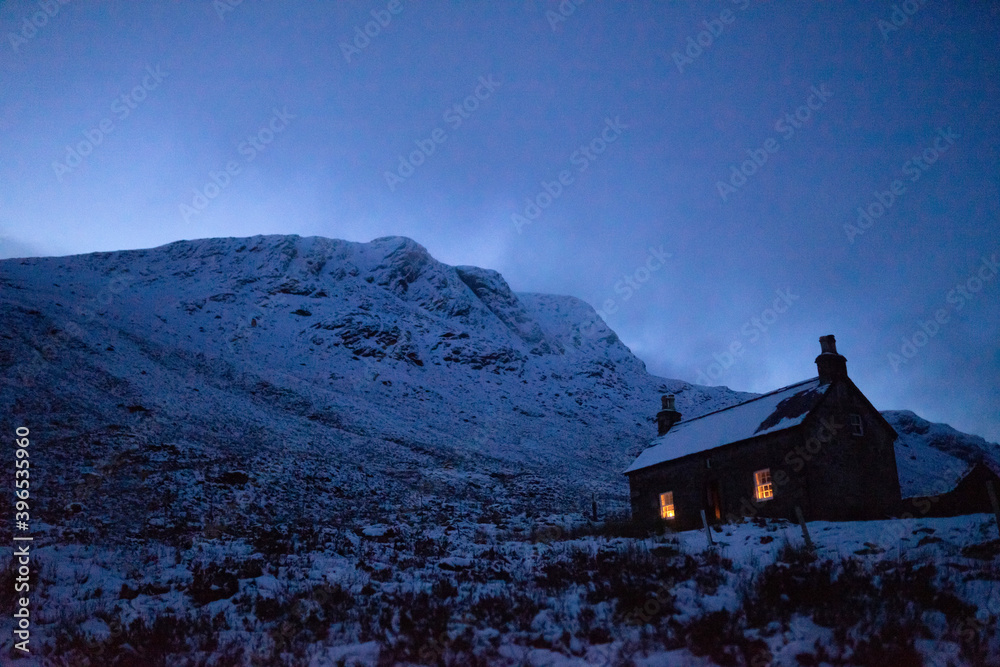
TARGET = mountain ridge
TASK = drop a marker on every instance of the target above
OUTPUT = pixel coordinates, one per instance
(373, 355)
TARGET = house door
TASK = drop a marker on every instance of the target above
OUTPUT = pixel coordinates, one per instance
(713, 499)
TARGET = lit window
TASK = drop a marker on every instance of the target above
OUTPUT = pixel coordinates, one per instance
(857, 426)
(667, 505)
(762, 480)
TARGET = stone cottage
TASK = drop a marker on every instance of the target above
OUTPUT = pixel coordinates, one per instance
(819, 445)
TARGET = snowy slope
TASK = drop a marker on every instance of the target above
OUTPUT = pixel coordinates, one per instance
(932, 458)
(374, 363)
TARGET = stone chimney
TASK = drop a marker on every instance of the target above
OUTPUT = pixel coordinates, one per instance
(831, 366)
(668, 416)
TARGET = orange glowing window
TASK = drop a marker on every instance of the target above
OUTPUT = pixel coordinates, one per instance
(667, 505)
(762, 480)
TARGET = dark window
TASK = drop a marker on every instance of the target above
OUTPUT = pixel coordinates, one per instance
(857, 426)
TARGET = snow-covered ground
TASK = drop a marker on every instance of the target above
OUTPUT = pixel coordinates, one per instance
(554, 590)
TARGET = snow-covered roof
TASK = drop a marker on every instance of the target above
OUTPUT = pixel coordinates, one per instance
(781, 409)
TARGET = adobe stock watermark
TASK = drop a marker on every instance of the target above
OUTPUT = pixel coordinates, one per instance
(565, 9)
(122, 108)
(381, 18)
(630, 283)
(898, 17)
(455, 115)
(955, 300)
(31, 25)
(581, 158)
(223, 7)
(714, 27)
(913, 168)
(786, 126)
(751, 330)
(249, 149)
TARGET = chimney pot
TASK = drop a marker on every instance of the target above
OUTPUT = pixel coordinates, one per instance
(830, 364)
(668, 416)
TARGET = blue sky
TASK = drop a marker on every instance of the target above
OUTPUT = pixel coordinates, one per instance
(697, 168)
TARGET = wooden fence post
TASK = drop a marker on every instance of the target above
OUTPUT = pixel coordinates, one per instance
(708, 531)
(993, 501)
(805, 531)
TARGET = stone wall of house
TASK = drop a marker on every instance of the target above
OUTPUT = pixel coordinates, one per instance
(732, 470)
(819, 466)
(851, 477)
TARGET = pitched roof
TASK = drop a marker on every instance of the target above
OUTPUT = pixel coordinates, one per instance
(776, 411)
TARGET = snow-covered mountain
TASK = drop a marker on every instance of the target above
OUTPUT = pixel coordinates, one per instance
(370, 367)
(367, 368)
(931, 458)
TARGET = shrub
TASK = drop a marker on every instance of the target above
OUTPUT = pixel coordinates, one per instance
(270, 609)
(985, 551)
(211, 583)
(510, 611)
(443, 589)
(419, 628)
(715, 634)
(892, 644)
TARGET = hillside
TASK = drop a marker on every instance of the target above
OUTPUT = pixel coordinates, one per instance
(367, 364)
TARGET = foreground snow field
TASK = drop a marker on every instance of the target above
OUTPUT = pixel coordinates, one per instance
(514, 590)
